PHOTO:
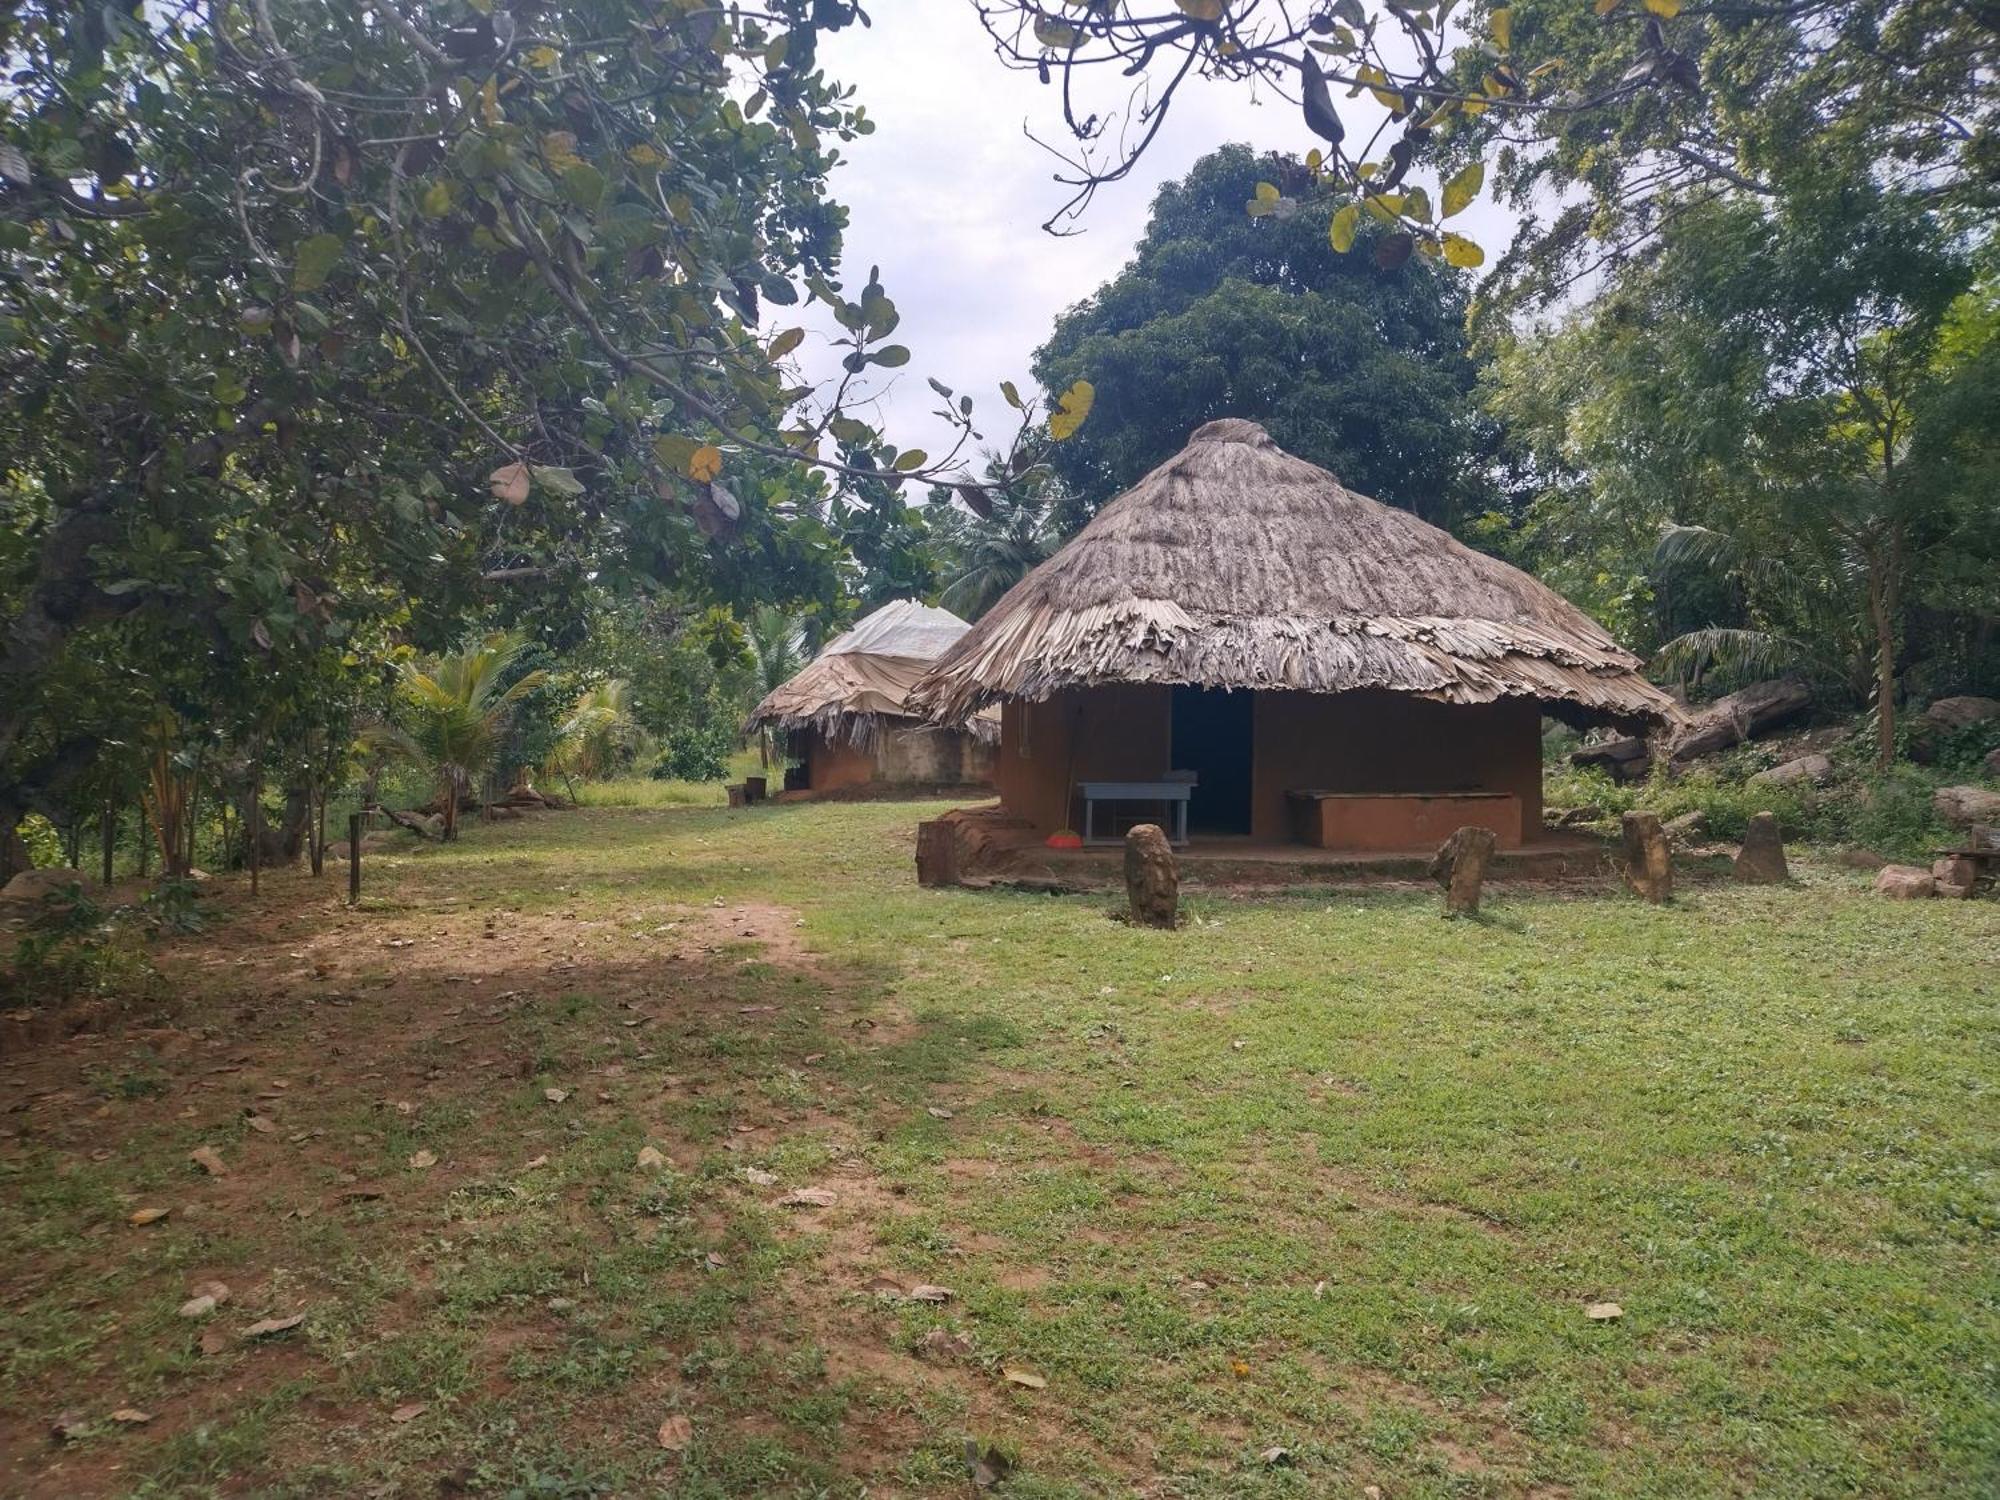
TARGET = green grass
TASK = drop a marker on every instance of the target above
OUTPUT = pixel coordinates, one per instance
(638, 790)
(1319, 1171)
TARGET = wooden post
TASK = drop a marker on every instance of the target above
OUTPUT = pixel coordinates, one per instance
(354, 859)
(110, 836)
(256, 827)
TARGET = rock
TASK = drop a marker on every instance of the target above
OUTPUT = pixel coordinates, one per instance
(1152, 880)
(1956, 713)
(1626, 759)
(1648, 868)
(1761, 860)
(1816, 769)
(1860, 859)
(1954, 876)
(1991, 765)
(1955, 804)
(1460, 867)
(1757, 709)
(33, 885)
(1685, 829)
(1571, 817)
(1903, 883)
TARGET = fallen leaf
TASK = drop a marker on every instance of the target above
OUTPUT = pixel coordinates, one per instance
(131, 1416)
(1604, 1312)
(928, 1293)
(70, 1426)
(213, 1289)
(555, 1096)
(534, 1161)
(882, 1286)
(944, 1343)
(207, 1158)
(1238, 1368)
(651, 1159)
(409, 1412)
(937, 1114)
(148, 1215)
(1275, 1458)
(676, 1433)
(214, 1339)
(808, 1198)
(1028, 1378)
(196, 1307)
(266, 1327)
(713, 1262)
(261, 1124)
(422, 1159)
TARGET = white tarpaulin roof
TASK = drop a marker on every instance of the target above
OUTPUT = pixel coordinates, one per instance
(867, 674)
(904, 628)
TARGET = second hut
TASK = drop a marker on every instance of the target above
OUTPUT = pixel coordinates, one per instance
(846, 720)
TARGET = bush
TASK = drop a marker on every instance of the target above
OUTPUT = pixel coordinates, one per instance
(72, 946)
(696, 751)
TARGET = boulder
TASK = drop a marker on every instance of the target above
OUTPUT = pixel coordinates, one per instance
(1904, 883)
(1967, 804)
(1991, 765)
(1686, 828)
(33, 885)
(1460, 867)
(1627, 759)
(1152, 880)
(1954, 875)
(1761, 860)
(1648, 868)
(1757, 709)
(1956, 713)
(1816, 769)
(1860, 859)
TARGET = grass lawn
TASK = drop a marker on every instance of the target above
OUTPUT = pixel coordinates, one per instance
(1320, 1172)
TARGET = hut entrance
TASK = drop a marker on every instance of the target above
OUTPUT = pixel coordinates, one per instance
(1211, 737)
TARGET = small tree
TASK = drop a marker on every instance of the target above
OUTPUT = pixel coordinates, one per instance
(452, 715)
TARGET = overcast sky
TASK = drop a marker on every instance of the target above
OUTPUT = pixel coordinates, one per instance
(948, 197)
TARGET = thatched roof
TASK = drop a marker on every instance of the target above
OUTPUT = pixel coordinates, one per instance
(1236, 565)
(860, 684)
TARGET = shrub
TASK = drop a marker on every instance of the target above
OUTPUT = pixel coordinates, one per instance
(72, 946)
(697, 750)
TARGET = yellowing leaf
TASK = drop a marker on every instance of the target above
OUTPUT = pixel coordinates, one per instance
(786, 342)
(643, 155)
(1460, 251)
(911, 458)
(1201, 10)
(1463, 187)
(1071, 408)
(1666, 9)
(1267, 192)
(704, 463)
(542, 57)
(1340, 233)
(437, 200)
(1503, 29)
(1012, 395)
(1605, 7)
(489, 103)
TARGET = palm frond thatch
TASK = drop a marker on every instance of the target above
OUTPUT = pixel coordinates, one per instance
(860, 685)
(1236, 565)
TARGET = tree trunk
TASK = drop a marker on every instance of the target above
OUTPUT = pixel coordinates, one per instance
(1882, 609)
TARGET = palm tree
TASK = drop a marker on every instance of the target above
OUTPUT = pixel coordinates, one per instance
(997, 551)
(777, 645)
(452, 715)
(599, 733)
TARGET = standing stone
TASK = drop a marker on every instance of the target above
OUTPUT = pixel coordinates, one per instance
(1648, 869)
(1152, 882)
(1460, 867)
(1761, 860)
(937, 853)
(1954, 876)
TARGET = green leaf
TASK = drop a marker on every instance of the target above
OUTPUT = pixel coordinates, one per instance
(1463, 187)
(1012, 395)
(1340, 233)
(911, 458)
(558, 480)
(314, 260)
(890, 356)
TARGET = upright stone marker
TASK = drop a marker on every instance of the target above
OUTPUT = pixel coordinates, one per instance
(1761, 860)
(1152, 881)
(1460, 867)
(937, 853)
(1648, 869)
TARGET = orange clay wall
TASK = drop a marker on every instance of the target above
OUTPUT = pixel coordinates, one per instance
(1348, 742)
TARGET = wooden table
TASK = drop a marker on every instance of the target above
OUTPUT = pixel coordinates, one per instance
(1174, 793)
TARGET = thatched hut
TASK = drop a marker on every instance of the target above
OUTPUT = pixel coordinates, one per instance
(1311, 665)
(846, 719)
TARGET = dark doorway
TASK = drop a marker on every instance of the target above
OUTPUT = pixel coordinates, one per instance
(1211, 737)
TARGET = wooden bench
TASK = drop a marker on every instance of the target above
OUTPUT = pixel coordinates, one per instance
(1174, 794)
